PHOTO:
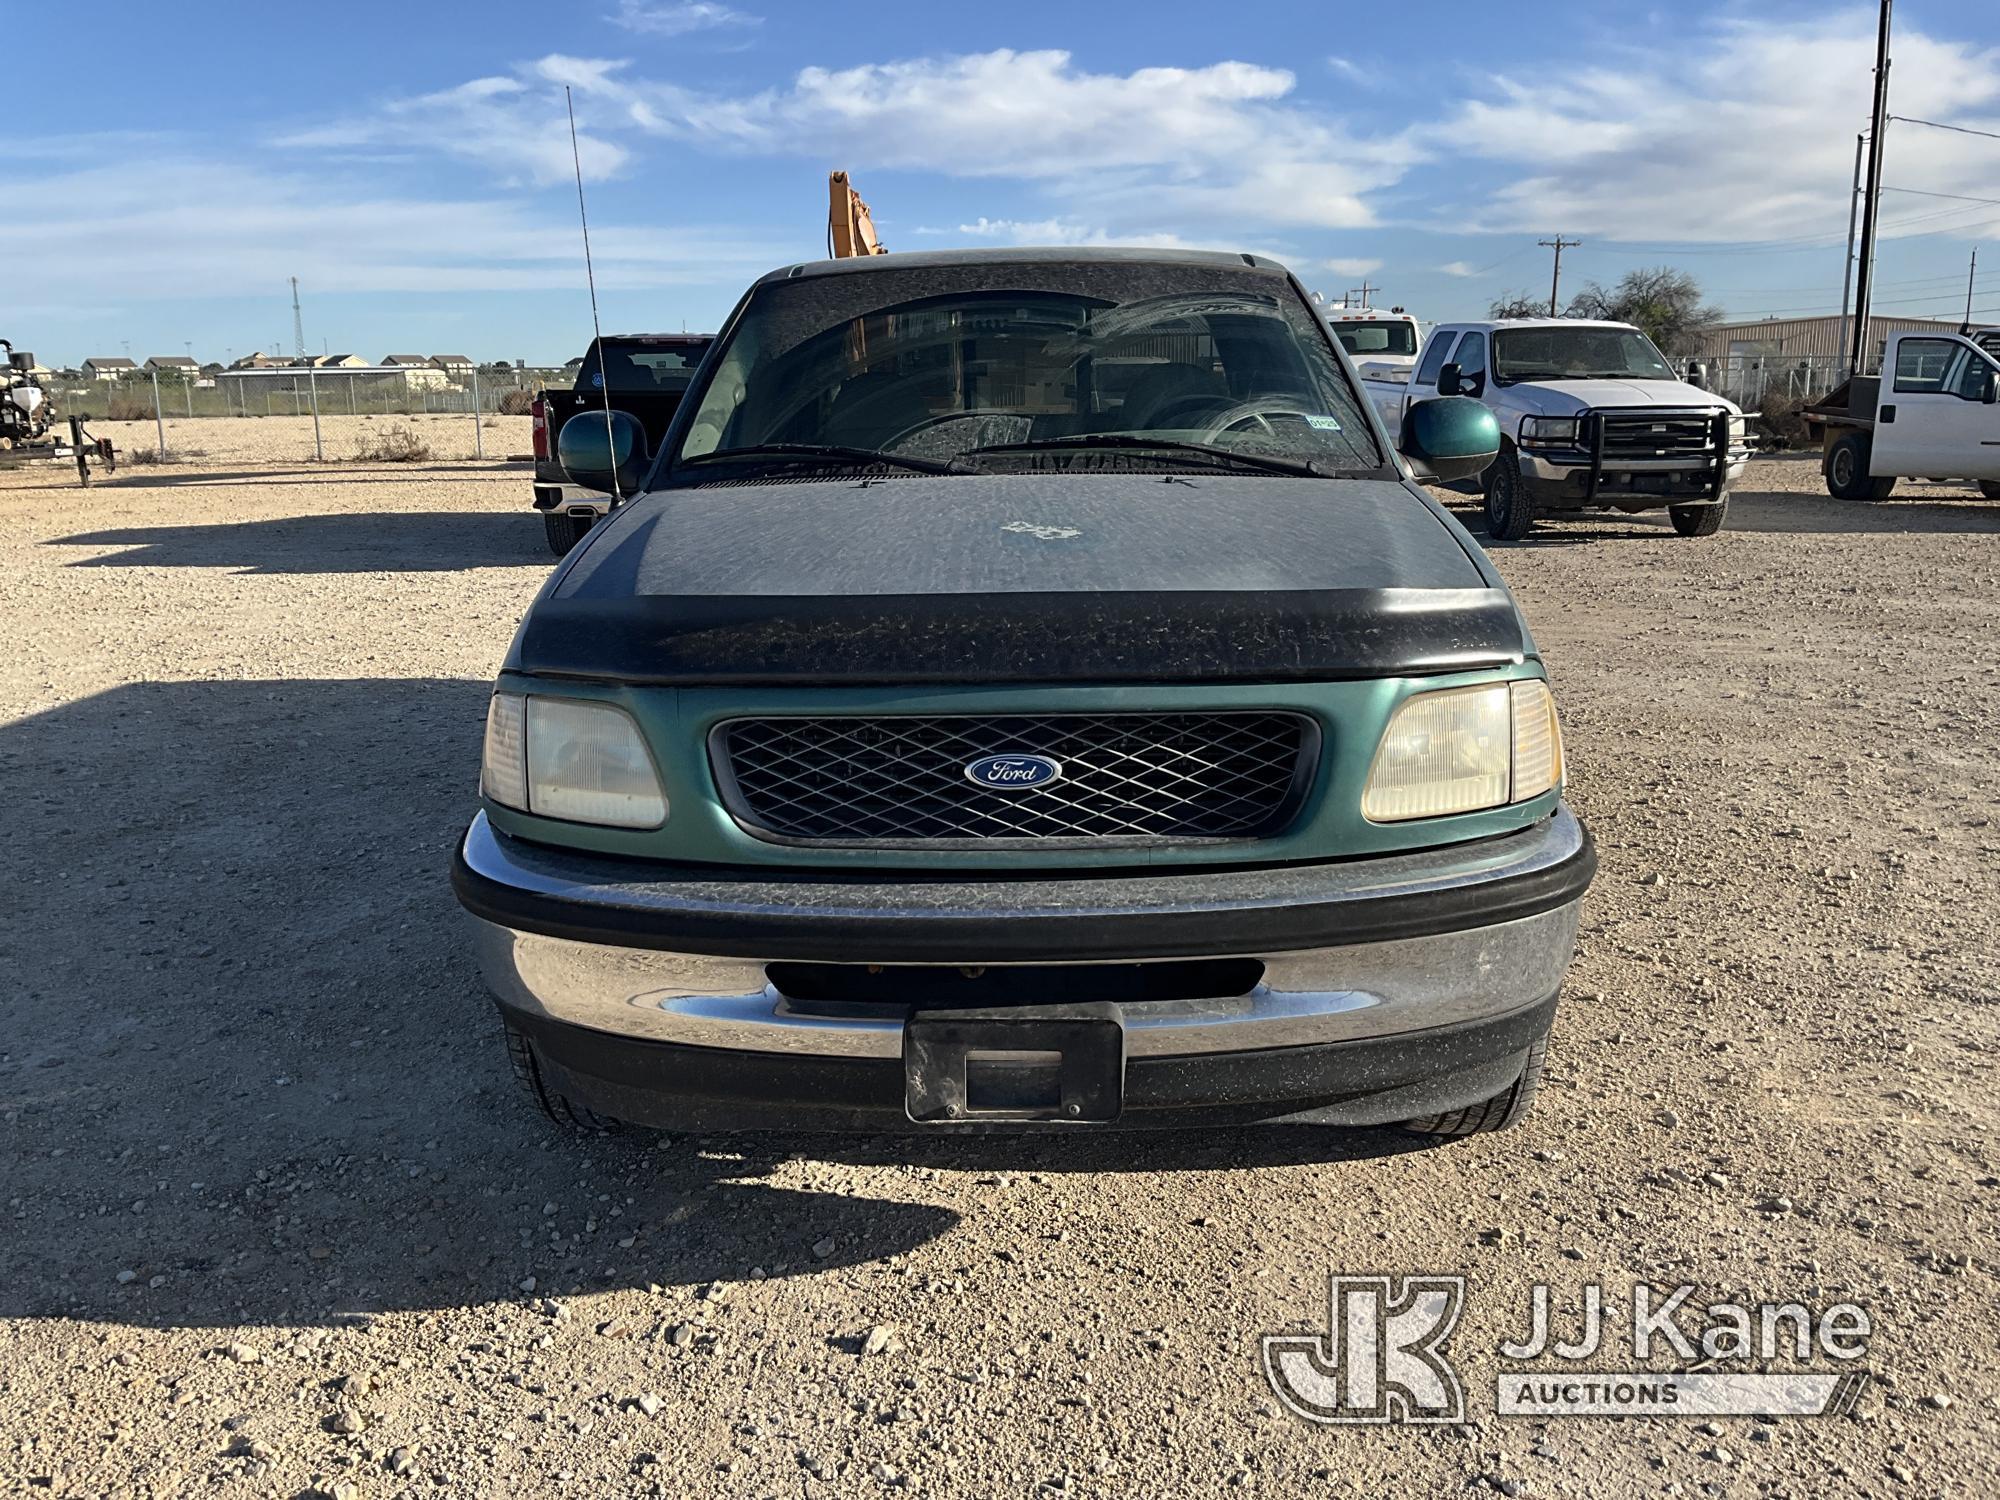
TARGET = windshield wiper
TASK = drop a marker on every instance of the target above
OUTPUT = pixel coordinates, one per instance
(1266, 462)
(833, 453)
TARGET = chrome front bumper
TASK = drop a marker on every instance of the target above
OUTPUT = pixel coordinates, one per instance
(1310, 994)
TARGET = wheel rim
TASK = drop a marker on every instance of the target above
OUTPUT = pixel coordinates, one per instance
(1843, 467)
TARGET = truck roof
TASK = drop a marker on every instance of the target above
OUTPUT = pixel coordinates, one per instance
(1494, 325)
(1043, 255)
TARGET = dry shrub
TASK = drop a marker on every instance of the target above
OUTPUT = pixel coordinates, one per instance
(516, 403)
(1780, 417)
(138, 456)
(128, 409)
(397, 445)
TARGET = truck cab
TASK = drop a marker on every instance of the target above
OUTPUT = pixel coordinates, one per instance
(1592, 418)
(1933, 412)
(1383, 345)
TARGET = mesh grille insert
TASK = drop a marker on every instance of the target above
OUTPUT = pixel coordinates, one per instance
(1183, 776)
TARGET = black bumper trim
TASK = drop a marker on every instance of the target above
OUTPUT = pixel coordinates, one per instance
(1372, 1081)
(1201, 914)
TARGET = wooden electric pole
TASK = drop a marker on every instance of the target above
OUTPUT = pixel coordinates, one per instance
(1558, 244)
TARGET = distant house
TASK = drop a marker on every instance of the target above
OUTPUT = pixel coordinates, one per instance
(256, 359)
(177, 365)
(340, 362)
(109, 369)
(418, 371)
(455, 365)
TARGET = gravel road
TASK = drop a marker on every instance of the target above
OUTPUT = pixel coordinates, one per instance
(276, 1223)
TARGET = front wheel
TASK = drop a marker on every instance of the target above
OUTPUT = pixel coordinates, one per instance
(1502, 1112)
(1990, 488)
(558, 1107)
(1510, 514)
(1847, 476)
(1698, 520)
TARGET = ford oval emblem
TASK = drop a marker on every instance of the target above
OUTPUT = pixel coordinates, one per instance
(1013, 773)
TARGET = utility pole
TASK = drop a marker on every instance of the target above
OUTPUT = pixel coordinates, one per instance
(1558, 244)
(298, 323)
(1965, 325)
(1365, 290)
(1878, 127)
(1847, 266)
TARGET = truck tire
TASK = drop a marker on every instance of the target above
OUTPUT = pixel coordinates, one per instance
(1698, 520)
(1510, 514)
(1502, 1112)
(564, 531)
(1847, 475)
(558, 1107)
(1990, 488)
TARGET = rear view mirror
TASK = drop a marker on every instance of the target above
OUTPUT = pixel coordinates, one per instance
(1448, 382)
(604, 451)
(1451, 437)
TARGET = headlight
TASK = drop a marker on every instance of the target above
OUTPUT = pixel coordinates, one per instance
(1550, 432)
(568, 758)
(1463, 749)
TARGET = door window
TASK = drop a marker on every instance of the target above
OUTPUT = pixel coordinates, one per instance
(1969, 379)
(1921, 365)
(1434, 357)
(1472, 358)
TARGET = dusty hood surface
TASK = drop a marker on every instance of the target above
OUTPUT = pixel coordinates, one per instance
(1128, 577)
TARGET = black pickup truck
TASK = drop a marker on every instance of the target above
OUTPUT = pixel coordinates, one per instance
(645, 374)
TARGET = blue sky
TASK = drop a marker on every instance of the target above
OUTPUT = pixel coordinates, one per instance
(410, 162)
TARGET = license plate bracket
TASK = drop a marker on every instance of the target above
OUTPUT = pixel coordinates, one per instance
(1059, 1063)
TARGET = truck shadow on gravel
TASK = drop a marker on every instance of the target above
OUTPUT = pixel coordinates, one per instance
(367, 542)
(250, 1075)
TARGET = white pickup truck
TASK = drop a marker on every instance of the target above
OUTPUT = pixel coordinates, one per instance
(1934, 413)
(1592, 417)
(1383, 345)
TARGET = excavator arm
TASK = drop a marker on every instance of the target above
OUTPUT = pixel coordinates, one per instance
(849, 229)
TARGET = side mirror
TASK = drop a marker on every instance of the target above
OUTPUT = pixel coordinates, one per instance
(1448, 383)
(1451, 437)
(604, 452)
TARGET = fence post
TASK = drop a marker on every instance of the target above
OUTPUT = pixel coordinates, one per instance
(478, 440)
(312, 381)
(187, 390)
(159, 421)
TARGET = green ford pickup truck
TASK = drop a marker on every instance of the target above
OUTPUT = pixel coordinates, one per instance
(1029, 691)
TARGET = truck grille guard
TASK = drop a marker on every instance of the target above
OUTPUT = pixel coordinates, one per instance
(1714, 452)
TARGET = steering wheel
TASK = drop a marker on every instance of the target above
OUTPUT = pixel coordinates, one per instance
(1258, 411)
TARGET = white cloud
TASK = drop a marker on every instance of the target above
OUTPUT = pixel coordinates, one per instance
(1457, 268)
(1214, 144)
(680, 18)
(221, 230)
(1055, 232)
(518, 129)
(1350, 267)
(1743, 135)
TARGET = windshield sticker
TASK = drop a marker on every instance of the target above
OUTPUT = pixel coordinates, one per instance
(1323, 424)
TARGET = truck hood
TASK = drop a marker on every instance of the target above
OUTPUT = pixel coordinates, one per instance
(1562, 398)
(1125, 577)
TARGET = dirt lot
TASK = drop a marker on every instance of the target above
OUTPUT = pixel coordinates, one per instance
(276, 1222)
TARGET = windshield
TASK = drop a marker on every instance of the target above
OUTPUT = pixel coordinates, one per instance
(1576, 354)
(1392, 337)
(637, 366)
(990, 364)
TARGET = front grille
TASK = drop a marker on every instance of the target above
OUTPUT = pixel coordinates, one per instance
(1157, 777)
(1658, 435)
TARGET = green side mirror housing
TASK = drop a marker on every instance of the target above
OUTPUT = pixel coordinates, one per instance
(1449, 437)
(604, 451)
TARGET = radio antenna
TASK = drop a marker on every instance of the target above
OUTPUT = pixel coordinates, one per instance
(596, 331)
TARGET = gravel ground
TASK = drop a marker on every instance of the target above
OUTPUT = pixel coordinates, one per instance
(277, 1224)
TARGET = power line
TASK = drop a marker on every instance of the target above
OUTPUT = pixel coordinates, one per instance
(1922, 193)
(1938, 125)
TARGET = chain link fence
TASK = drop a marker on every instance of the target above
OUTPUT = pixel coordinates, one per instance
(298, 413)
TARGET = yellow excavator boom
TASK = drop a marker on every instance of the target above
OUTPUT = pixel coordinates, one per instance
(849, 229)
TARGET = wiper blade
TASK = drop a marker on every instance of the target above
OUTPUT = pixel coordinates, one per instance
(834, 453)
(1267, 462)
